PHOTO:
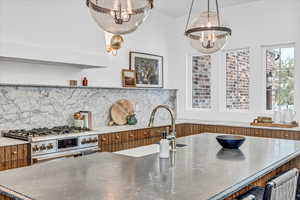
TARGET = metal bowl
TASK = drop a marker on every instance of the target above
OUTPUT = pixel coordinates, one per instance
(230, 141)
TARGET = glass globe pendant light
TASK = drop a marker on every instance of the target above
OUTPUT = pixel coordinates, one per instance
(119, 16)
(206, 32)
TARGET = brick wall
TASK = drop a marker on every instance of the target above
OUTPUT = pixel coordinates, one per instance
(237, 79)
(201, 77)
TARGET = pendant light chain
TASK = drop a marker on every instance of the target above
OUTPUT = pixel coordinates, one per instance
(189, 17)
(208, 9)
(218, 13)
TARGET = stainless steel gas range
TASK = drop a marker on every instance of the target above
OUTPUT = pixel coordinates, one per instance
(56, 142)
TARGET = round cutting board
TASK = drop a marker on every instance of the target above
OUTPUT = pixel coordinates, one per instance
(120, 110)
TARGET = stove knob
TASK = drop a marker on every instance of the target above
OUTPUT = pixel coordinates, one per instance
(50, 146)
(83, 141)
(43, 147)
(90, 140)
(35, 148)
(95, 140)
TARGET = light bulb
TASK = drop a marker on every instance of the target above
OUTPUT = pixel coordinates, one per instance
(213, 37)
(202, 37)
(129, 7)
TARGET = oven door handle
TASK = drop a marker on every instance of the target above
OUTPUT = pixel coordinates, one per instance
(75, 154)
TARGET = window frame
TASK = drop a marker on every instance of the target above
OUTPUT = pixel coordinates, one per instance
(264, 48)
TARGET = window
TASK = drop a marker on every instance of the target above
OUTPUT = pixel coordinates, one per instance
(237, 79)
(201, 88)
(280, 79)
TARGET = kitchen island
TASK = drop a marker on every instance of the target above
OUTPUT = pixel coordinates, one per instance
(200, 170)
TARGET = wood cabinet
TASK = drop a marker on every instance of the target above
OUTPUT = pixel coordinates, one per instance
(112, 142)
(14, 156)
(192, 129)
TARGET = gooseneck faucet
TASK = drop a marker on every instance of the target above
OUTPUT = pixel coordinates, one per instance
(172, 136)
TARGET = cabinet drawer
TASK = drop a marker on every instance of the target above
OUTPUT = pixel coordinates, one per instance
(116, 138)
(14, 156)
(104, 139)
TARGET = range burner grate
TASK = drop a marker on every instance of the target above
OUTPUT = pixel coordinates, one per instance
(40, 132)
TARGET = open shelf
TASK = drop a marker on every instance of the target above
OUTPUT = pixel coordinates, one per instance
(79, 87)
(48, 62)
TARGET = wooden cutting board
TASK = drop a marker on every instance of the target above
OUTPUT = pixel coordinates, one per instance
(120, 110)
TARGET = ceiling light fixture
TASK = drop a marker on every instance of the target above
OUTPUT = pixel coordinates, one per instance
(113, 43)
(119, 16)
(206, 32)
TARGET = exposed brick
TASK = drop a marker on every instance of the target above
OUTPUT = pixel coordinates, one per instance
(201, 77)
(237, 79)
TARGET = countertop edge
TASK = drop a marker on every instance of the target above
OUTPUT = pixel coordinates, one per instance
(254, 177)
(12, 194)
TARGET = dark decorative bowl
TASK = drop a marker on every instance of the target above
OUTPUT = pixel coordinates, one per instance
(230, 141)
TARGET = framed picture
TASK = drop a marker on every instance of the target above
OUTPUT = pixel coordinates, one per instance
(149, 69)
(128, 78)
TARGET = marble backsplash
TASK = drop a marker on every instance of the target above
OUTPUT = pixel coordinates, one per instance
(26, 107)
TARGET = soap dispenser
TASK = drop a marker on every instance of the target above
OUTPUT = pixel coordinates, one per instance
(164, 146)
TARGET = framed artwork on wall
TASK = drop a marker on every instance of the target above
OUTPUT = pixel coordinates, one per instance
(148, 68)
(128, 78)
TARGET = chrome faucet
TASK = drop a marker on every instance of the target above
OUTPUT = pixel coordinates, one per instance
(172, 136)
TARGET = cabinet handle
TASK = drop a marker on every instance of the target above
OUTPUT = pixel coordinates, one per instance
(131, 135)
(118, 137)
(103, 139)
(14, 152)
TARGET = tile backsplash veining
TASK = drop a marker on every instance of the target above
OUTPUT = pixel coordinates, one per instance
(32, 107)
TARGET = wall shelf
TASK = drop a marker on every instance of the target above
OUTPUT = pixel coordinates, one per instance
(50, 55)
(48, 62)
(80, 87)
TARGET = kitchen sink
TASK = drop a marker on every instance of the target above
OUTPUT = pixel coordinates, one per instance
(144, 151)
(181, 145)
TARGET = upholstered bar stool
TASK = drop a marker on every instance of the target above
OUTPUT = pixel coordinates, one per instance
(282, 187)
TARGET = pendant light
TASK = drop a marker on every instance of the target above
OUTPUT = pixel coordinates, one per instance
(113, 43)
(119, 16)
(206, 32)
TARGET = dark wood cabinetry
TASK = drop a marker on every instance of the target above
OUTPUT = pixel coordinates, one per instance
(14, 156)
(192, 129)
(112, 142)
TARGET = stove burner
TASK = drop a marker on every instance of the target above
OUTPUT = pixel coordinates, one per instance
(39, 132)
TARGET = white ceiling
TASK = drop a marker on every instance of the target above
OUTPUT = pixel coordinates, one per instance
(178, 8)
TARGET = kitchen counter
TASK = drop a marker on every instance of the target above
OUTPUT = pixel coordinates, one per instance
(115, 129)
(10, 142)
(234, 124)
(201, 170)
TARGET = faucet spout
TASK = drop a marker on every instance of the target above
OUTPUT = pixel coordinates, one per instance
(172, 136)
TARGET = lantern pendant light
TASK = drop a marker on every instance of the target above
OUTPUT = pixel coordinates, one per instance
(206, 32)
(119, 16)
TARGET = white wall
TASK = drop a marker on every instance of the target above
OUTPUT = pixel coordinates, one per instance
(64, 29)
(266, 22)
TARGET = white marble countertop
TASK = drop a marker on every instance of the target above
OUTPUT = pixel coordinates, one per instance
(191, 173)
(10, 142)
